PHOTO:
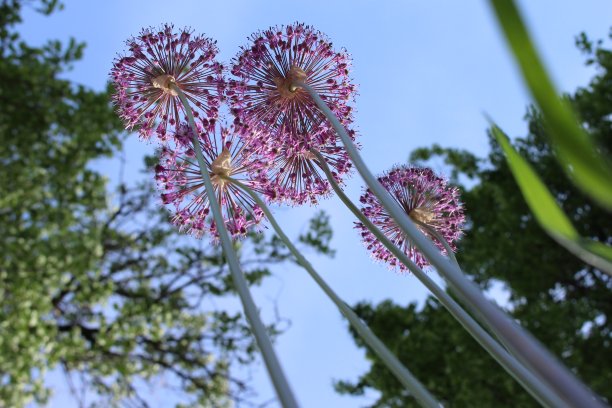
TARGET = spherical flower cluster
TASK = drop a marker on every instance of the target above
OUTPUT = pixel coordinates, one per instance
(265, 93)
(227, 156)
(157, 61)
(427, 199)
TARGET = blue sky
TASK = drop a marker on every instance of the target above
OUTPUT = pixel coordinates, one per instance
(426, 72)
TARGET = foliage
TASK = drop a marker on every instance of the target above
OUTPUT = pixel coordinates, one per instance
(96, 284)
(432, 345)
(562, 301)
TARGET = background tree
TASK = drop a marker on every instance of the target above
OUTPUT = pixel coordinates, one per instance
(562, 301)
(101, 285)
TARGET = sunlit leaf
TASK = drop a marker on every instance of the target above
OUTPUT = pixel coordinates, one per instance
(548, 213)
(585, 166)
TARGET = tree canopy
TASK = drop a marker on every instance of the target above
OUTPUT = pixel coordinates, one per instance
(97, 282)
(562, 301)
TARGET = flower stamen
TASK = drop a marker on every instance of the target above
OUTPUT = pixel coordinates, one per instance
(422, 215)
(164, 83)
(221, 168)
(308, 155)
(286, 86)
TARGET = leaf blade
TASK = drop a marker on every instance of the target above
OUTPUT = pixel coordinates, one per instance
(548, 213)
(579, 156)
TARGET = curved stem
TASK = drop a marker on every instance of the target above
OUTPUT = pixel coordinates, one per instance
(527, 379)
(275, 370)
(389, 359)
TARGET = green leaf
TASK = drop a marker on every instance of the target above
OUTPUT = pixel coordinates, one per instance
(548, 213)
(582, 162)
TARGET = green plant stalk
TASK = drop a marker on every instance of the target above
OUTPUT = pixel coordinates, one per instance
(522, 344)
(452, 257)
(275, 370)
(540, 391)
(389, 359)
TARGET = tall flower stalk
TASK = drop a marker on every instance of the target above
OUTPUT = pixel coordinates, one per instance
(157, 82)
(389, 359)
(275, 370)
(521, 343)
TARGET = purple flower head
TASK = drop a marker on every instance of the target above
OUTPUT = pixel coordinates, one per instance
(156, 61)
(293, 173)
(427, 199)
(264, 93)
(180, 181)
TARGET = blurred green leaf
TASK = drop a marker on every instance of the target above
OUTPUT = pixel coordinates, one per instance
(548, 213)
(580, 158)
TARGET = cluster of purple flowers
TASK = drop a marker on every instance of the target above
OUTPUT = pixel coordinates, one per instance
(267, 72)
(427, 199)
(275, 127)
(227, 157)
(277, 136)
(157, 60)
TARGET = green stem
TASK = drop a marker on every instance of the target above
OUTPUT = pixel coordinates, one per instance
(389, 359)
(451, 256)
(532, 384)
(522, 344)
(275, 370)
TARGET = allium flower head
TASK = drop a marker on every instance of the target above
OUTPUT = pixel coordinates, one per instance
(158, 59)
(293, 172)
(427, 199)
(264, 93)
(178, 177)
